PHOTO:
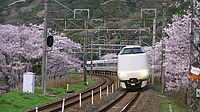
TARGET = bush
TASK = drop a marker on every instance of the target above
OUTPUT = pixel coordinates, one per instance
(180, 97)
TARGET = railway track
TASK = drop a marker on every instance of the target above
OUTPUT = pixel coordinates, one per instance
(121, 104)
(72, 102)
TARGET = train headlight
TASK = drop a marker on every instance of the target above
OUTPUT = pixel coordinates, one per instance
(122, 75)
(144, 73)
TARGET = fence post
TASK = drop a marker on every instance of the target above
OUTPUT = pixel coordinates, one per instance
(63, 105)
(79, 99)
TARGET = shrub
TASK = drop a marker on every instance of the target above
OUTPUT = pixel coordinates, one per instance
(180, 97)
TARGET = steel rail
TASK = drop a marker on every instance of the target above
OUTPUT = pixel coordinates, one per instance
(60, 101)
(59, 108)
(113, 103)
(133, 100)
(119, 99)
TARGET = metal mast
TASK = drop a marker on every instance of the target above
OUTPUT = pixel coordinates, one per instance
(44, 60)
(85, 51)
(193, 101)
(163, 50)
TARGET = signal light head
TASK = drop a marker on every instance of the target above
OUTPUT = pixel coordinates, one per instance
(50, 41)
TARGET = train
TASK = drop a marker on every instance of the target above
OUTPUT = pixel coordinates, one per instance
(131, 67)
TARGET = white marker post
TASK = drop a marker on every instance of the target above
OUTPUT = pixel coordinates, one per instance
(79, 99)
(36, 109)
(107, 90)
(100, 92)
(92, 97)
(63, 105)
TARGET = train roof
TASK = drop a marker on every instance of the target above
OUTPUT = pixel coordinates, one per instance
(103, 61)
(131, 46)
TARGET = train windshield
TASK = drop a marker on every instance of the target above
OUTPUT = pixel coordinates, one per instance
(131, 51)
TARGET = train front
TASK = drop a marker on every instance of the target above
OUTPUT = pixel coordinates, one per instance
(132, 67)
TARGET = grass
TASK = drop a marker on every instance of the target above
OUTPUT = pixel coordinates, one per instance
(165, 105)
(166, 100)
(81, 85)
(17, 100)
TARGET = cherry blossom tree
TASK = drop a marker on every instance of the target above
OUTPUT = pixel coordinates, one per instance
(21, 50)
(157, 65)
(177, 52)
(61, 59)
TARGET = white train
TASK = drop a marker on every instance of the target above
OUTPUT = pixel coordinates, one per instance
(132, 70)
(103, 65)
(131, 67)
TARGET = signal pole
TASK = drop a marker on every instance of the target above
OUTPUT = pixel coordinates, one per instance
(44, 59)
(163, 50)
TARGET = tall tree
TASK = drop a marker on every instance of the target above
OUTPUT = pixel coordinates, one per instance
(177, 52)
(21, 50)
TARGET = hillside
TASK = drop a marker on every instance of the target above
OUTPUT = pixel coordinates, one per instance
(31, 11)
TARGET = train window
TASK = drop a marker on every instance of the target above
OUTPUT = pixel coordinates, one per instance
(131, 51)
(89, 65)
(100, 64)
(112, 64)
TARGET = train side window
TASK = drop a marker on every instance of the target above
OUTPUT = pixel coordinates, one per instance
(113, 64)
(100, 64)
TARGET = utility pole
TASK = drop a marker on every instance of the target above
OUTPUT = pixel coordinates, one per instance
(163, 50)
(85, 50)
(44, 59)
(153, 51)
(91, 57)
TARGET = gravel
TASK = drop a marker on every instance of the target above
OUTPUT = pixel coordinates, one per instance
(103, 101)
(147, 102)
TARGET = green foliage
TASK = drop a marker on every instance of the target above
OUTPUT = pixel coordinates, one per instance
(178, 10)
(17, 100)
(81, 85)
(166, 102)
(37, 69)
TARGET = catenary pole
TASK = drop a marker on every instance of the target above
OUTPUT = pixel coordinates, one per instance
(85, 51)
(44, 60)
(163, 49)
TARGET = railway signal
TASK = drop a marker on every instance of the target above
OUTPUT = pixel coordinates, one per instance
(50, 41)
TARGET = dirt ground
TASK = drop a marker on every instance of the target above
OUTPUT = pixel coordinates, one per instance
(147, 102)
